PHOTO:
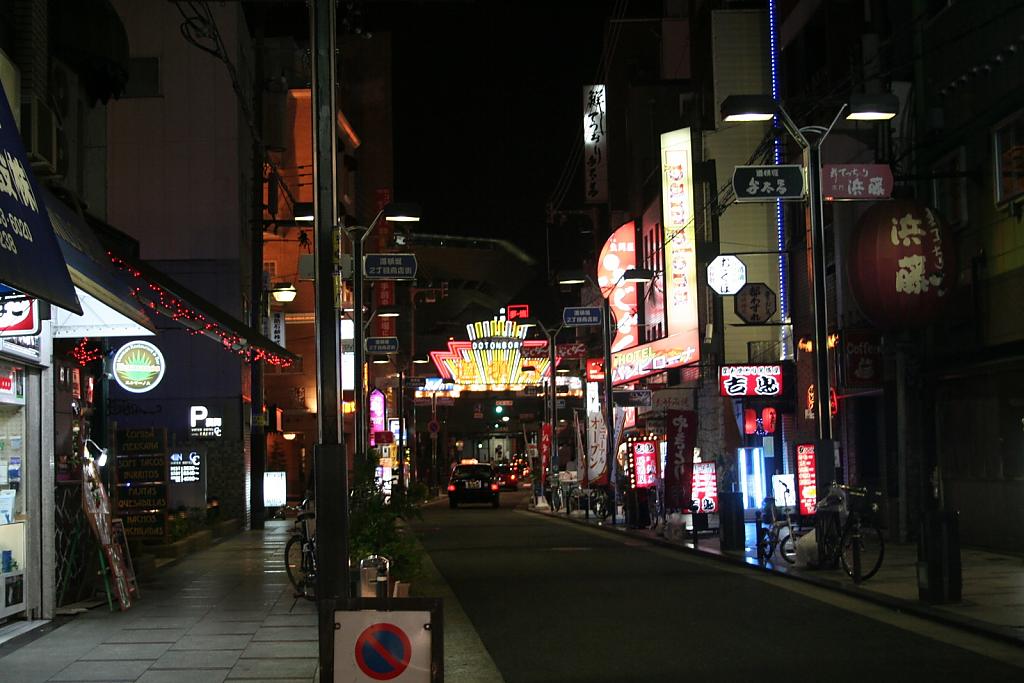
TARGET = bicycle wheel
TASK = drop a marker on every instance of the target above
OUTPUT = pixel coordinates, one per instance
(556, 499)
(872, 549)
(293, 565)
(767, 544)
(600, 501)
(787, 546)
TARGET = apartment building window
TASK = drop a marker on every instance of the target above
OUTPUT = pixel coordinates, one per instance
(949, 187)
(1009, 157)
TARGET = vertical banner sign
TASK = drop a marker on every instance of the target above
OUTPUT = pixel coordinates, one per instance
(680, 245)
(682, 436)
(644, 468)
(378, 410)
(277, 330)
(545, 448)
(617, 256)
(806, 471)
(595, 145)
(597, 438)
(383, 290)
(704, 487)
(30, 258)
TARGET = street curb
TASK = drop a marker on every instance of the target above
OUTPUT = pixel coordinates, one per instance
(964, 623)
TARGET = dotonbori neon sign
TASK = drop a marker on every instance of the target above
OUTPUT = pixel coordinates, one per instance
(493, 359)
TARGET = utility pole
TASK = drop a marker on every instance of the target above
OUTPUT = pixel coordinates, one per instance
(330, 460)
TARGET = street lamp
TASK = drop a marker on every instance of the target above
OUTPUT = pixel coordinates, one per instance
(551, 334)
(396, 212)
(283, 292)
(577, 277)
(861, 108)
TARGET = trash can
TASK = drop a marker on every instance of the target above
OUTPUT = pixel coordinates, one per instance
(939, 578)
(732, 534)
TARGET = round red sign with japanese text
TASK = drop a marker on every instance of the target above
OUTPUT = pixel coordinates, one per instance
(901, 267)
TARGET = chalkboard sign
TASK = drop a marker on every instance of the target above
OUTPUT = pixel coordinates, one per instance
(142, 482)
(152, 440)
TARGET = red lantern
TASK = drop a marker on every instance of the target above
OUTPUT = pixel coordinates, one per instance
(901, 267)
(768, 417)
(750, 421)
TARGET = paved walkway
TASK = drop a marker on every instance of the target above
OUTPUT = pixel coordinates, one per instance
(993, 584)
(224, 614)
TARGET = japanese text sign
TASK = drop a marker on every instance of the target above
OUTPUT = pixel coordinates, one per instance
(768, 183)
(807, 485)
(682, 437)
(755, 303)
(595, 145)
(644, 472)
(704, 487)
(390, 266)
(30, 258)
(750, 380)
(856, 181)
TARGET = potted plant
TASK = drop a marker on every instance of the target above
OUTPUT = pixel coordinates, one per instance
(376, 520)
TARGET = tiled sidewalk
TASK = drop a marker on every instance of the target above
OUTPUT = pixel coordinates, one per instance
(992, 595)
(226, 614)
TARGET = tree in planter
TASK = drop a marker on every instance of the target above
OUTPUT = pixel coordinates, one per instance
(374, 527)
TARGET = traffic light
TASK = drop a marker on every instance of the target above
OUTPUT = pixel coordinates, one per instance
(498, 410)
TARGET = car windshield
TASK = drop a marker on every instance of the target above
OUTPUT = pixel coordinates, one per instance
(472, 472)
(504, 469)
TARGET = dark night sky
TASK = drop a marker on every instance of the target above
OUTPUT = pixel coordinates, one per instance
(487, 106)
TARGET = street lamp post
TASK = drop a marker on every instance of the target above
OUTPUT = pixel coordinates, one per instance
(810, 138)
(551, 334)
(634, 275)
(358, 234)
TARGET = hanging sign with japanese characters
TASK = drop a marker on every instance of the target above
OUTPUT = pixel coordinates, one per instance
(30, 258)
(738, 381)
(768, 183)
(844, 182)
(595, 145)
(704, 487)
(901, 266)
(755, 303)
(643, 463)
(682, 437)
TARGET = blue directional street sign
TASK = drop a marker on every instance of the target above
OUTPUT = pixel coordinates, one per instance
(581, 316)
(381, 345)
(389, 266)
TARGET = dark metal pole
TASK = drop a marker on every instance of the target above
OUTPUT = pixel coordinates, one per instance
(822, 389)
(330, 459)
(606, 334)
(401, 428)
(357, 235)
(552, 336)
(257, 295)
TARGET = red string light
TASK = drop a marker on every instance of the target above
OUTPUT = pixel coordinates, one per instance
(85, 355)
(158, 299)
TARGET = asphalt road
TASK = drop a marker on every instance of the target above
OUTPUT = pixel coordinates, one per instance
(555, 601)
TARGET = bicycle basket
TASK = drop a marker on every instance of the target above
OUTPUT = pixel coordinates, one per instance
(862, 501)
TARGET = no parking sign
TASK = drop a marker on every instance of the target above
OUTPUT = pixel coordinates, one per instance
(397, 639)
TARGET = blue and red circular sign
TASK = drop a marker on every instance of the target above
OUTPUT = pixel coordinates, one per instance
(383, 651)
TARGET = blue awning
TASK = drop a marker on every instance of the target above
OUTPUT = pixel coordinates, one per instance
(30, 259)
(105, 293)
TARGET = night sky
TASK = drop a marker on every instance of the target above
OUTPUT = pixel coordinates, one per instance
(487, 106)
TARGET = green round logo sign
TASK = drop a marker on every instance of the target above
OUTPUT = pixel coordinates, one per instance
(138, 366)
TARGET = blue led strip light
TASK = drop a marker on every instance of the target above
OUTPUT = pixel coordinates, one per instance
(777, 159)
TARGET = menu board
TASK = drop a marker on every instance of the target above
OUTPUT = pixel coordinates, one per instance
(806, 478)
(704, 487)
(97, 510)
(142, 482)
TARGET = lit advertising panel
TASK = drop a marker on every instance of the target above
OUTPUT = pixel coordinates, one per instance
(595, 144)
(378, 410)
(497, 357)
(654, 357)
(644, 470)
(806, 473)
(680, 246)
(750, 380)
(617, 256)
(597, 438)
(704, 487)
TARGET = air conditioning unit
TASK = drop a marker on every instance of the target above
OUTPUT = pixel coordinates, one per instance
(41, 132)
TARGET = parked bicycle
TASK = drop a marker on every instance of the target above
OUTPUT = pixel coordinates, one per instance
(300, 555)
(856, 542)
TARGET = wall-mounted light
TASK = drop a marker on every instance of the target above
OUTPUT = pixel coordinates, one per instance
(289, 436)
(283, 292)
(304, 212)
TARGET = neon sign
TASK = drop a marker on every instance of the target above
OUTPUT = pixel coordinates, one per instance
(497, 357)
(617, 256)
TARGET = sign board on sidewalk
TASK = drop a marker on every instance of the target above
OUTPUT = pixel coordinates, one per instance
(389, 266)
(845, 182)
(632, 398)
(382, 345)
(581, 316)
(768, 183)
(755, 303)
(393, 639)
